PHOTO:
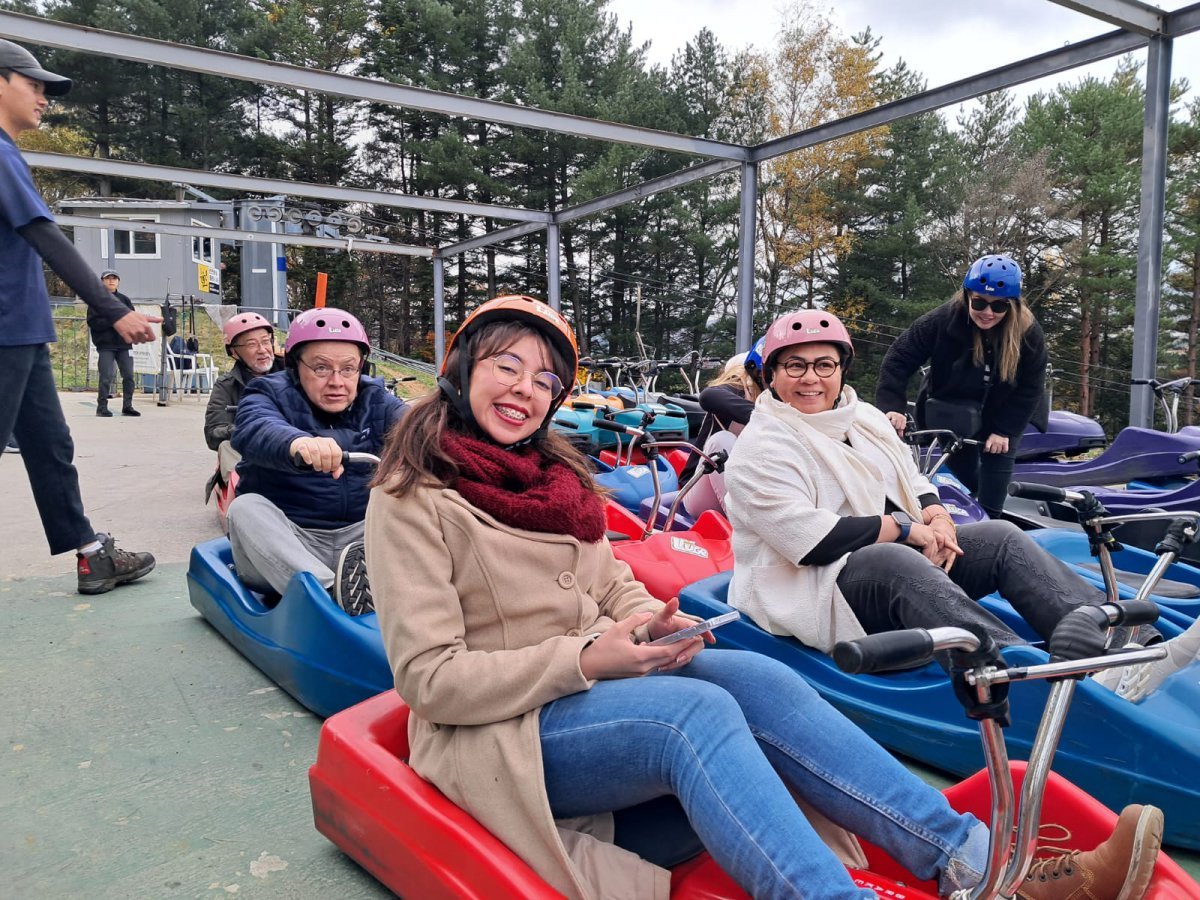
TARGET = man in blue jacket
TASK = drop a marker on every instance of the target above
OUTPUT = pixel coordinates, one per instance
(286, 519)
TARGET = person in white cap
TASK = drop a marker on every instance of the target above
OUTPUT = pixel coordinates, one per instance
(29, 404)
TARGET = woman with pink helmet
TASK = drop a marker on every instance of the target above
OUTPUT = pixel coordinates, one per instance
(284, 519)
(836, 535)
(250, 340)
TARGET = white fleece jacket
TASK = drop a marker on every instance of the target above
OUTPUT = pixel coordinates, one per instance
(782, 500)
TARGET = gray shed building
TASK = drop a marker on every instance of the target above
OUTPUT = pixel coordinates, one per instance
(151, 265)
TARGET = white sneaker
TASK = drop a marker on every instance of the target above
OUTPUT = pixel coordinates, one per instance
(1137, 682)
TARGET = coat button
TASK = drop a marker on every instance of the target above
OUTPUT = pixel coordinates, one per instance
(566, 580)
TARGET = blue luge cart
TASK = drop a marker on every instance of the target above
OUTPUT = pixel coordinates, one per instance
(305, 643)
(1117, 751)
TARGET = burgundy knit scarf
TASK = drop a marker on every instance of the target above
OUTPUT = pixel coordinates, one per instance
(523, 489)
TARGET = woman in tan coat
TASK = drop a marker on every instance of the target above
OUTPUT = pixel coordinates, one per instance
(520, 643)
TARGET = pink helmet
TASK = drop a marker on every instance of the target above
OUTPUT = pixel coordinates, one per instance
(806, 326)
(240, 324)
(326, 324)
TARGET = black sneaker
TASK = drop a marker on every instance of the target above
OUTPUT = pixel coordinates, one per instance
(352, 590)
(108, 567)
(129, 411)
(104, 412)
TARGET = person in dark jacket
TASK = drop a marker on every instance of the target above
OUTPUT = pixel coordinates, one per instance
(284, 519)
(250, 340)
(987, 358)
(113, 351)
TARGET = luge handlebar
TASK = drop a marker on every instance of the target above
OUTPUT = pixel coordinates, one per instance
(348, 458)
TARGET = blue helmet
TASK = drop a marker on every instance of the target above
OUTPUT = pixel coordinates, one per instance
(995, 275)
(754, 357)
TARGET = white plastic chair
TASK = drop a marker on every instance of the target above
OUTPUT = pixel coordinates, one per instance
(182, 373)
(207, 371)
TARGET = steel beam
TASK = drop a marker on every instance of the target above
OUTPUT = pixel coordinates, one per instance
(88, 165)
(439, 311)
(236, 234)
(746, 245)
(645, 189)
(115, 45)
(492, 237)
(553, 280)
(1150, 229)
(1128, 14)
(1102, 47)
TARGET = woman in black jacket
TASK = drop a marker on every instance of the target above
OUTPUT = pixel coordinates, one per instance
(987, 358)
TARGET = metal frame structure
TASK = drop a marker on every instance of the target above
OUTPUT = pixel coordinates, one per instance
(1139, 25)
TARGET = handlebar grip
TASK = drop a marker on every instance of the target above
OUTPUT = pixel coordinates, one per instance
(884, 652)
(582, 404)
(1189, 456)
(299, 463)
(1133, 612)
(1031, 491)
(565, 423)
(610, 425)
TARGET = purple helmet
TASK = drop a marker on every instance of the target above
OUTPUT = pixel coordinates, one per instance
(326, 324)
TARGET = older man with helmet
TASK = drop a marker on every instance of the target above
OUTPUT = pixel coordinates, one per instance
(250, 340)
(286, 519)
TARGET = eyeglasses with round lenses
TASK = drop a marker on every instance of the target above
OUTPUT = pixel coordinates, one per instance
(260, 344)
(999, 307)
(508, 370)
(323, 371)
(823, 366)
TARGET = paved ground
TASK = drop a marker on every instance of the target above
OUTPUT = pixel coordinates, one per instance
(140, 755)
(142, 479)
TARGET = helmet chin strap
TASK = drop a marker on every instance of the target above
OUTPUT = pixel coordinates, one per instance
(462, 405)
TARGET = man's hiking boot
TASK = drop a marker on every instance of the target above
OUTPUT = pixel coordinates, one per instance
(108, 567)
(1119, 869)
(352, 590)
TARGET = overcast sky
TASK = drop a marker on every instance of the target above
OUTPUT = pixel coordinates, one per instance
(945, 40)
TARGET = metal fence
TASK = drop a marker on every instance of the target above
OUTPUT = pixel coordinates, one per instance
(69, 355)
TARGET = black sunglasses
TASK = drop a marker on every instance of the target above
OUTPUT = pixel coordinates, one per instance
(999, 307)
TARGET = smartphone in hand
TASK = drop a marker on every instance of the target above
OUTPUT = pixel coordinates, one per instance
(697, 629)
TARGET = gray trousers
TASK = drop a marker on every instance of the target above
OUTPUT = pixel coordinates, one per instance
(109, 360)
(268, 548)
(893, 586)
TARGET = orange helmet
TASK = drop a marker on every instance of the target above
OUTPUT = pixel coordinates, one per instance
(549, 322)
(528, 311)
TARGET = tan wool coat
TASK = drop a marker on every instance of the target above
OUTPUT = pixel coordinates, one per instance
(483, 625)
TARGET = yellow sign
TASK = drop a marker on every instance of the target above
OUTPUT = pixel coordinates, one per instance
(202, 270)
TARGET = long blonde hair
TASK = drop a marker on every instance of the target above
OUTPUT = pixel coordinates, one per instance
(413, 455)
(739, 376)
(1011, 328)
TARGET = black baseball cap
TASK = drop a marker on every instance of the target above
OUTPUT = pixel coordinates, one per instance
(15, 57)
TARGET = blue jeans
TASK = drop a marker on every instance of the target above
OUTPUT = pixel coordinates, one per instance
(723, 735)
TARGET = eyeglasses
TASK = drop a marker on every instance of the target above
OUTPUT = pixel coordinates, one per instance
(797, 368)
(262, 344)
(999, 307)
(508, 370)
(323, 371)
